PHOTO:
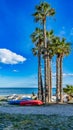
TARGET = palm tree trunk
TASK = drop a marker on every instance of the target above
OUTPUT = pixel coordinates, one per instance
(61, 89)
(42, 93)
(39, 77)
(50, 81)
(48, 75)
(45, 63)
(57, 78)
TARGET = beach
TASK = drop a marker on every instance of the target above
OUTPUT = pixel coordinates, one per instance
(45, 117)
(65, 109)
(52, 108)
(51, 117)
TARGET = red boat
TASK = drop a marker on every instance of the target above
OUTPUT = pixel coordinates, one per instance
(31, 103)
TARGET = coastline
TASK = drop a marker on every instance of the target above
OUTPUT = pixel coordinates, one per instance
(20, 96)
(17, 97)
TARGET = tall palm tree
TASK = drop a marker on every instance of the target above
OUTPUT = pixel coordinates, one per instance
(56, 43)
(62, 49)
(50, 52)
(42, 11)
(37, 38)
(36, 52)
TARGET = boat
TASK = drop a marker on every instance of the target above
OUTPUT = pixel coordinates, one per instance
(31, 103)
(17, 102)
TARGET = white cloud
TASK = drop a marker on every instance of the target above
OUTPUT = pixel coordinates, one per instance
(9, 57)
(67, 74)
(64, 74)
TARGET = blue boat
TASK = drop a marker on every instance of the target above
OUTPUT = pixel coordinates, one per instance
(17, 102)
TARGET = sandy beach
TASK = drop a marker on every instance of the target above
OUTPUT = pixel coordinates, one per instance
(50, 109)
(46, 117)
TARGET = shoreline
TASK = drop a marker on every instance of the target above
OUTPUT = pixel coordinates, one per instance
(5, 98)
(21, 96)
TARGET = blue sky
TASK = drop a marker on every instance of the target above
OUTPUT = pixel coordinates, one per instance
(18, 66)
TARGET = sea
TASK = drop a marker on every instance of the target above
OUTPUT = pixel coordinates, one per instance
(10, 91)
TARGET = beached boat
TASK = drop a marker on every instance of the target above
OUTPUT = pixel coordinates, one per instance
(17, 102)
(31, 103)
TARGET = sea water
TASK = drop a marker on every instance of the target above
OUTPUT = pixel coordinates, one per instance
(9, 91)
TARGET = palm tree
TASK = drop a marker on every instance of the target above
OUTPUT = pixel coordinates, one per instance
(42, 11)
(62, 49)
(55, 41)
(50, 52)
(38, 40)
(68, 89)
(36, 52)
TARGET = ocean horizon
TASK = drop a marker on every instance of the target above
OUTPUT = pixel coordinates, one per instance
(20, 90)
